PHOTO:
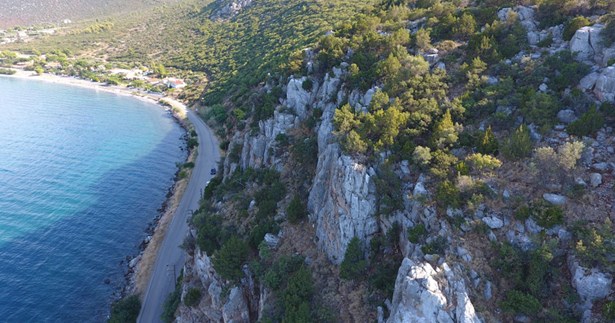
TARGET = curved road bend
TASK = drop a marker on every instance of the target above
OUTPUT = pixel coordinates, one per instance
(170, 258)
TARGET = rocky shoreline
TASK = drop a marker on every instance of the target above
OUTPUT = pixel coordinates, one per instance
(132, 263)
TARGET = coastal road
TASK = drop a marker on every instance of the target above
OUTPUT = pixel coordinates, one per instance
(170, 258)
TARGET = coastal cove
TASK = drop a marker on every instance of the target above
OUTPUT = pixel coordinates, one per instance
(82, 173)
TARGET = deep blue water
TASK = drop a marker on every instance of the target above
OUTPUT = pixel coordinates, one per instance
(82, 173)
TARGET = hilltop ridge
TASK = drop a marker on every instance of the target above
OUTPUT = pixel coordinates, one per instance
(28, 12)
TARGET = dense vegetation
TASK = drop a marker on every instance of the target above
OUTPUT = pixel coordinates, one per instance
(468, 123)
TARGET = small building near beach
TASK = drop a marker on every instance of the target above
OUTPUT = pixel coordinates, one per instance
(174, 83)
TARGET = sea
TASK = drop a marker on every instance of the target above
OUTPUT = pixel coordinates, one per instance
(82, 173)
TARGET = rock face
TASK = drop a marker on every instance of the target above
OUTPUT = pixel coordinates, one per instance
(212, 307)
(423, 294)
(341, 202)
(256, 150)
(297, 98)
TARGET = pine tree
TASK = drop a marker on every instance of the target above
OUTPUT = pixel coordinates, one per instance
(445, 133)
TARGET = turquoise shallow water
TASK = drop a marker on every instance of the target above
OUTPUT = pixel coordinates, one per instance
(81, 174)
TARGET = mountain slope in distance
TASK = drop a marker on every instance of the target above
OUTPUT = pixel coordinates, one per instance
(28, 12)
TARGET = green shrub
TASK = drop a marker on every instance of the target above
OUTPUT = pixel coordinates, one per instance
(573, 25)
(353, 266)
(508, 261)
(193, 297)
(172, 302)
(275, 277)
(482, 162)
(594, 245)
(608, 33)
(125, 310)
(230, 258)
(417, 233)
(518, 145)
(520, 302)
(307, 85)
(547, 215)
(297, 296)
(435, 247)
(447, 194)
(296, 210)
(209, 190)
(488, 143)
(192, 143)
(421, 156)
(7, 71)
(588, 124)
(547, 42)
(609, 311)
(210, 232)
(540, 108)
(522, 213)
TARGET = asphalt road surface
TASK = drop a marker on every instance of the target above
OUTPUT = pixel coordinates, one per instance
(170, 258)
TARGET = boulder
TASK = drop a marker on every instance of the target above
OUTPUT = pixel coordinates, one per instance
(420, 297)
(605, 85)
(595, 179)
(419, 189)
(566, 116)
(587, 42)
(493, 222)
(602, 166)
(588, 82)
(271, 240)
(591, 284)
(554, 199)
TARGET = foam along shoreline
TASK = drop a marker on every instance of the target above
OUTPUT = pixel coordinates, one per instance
(139, 267)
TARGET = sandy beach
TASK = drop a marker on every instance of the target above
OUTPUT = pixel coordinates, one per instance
(140, 270)
(119, 90)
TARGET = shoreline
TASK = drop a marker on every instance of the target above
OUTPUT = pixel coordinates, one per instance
(138, 267)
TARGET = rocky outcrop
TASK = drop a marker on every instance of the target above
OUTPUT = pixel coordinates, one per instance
(214, 306)
(256, 150)
(341, 202)
(229, 9)
(601, 84)
(299, 99)
(526, 16)
(425, 294)
(587, 43)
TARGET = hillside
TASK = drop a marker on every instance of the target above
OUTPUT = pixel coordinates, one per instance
(29, 12)
(399, 161)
